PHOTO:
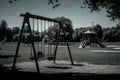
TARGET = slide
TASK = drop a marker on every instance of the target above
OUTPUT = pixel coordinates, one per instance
(100, 44)
(83, 44)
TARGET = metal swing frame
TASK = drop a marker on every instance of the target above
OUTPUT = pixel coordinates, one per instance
(27, 16)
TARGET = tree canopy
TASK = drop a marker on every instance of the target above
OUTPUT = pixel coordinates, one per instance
(67, 25)
(111, 6)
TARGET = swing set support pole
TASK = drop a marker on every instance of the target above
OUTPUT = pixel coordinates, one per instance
(55, 52)
(69, 49)
(26, 20)
(61, 27)
(15, 58)
(34, 51)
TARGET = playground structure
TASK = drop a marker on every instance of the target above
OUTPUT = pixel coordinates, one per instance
(90, 40)
(42, 24)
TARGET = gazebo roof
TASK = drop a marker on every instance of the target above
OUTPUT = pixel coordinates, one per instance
(89, 32)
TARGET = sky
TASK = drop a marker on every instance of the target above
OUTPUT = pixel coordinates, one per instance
(69, 8)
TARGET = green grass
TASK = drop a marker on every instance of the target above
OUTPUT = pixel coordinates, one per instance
(78, 54)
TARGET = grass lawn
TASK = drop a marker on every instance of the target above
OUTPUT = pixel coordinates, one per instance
(98, 55)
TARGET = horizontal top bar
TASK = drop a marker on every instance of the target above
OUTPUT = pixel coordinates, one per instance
(38, 17)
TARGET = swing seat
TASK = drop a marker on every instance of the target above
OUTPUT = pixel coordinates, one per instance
(39, 55)
(50, 58)
(32, 58)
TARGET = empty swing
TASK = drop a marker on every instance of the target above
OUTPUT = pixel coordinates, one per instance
(31, 55)
(39, 53)
(50, 55)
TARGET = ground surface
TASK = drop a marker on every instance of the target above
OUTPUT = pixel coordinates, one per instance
(66, 67)
(87, 60)
(109, 55)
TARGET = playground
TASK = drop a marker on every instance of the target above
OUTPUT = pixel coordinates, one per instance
(56, 57)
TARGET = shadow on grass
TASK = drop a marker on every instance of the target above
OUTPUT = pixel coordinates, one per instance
(8, 56)
(59, 67)
(7, 74)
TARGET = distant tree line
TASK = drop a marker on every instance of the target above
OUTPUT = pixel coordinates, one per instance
(112, 34)
(108, 34)
(5, 32)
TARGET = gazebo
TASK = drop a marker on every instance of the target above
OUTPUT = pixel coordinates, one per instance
(90, 39)
(89, 34)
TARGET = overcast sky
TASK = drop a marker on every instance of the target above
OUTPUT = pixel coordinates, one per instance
(69, 8)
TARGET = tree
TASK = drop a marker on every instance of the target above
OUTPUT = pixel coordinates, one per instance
(55, 3)
(53, 32)
(78, 34)
(16, 30)
(99, 31)
(112, 7)
(3, 29)
(112, 34)
(67, 25)
(9, 34)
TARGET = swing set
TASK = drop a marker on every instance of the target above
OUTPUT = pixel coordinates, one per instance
(42, 23)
